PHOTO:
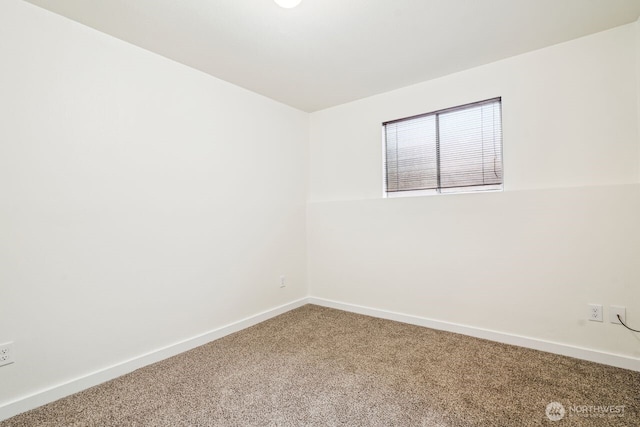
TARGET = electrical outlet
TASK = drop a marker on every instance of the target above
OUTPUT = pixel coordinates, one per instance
(6, 353)
(614, 310)
(595, 312)
(283, 281)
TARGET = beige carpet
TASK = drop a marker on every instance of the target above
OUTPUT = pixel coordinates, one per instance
(316, 366)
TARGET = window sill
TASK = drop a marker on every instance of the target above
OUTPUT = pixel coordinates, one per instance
(446, 191)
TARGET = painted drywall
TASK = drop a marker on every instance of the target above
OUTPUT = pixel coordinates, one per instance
(637, 25)
(526, 261)
(141, 203)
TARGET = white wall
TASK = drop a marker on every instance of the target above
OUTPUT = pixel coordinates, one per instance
(527, 261)
(637, 25)
(140, 201)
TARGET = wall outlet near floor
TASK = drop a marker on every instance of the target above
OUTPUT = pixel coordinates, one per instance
(614, 310)
(595, 312)
(283, 282)
(6, 353)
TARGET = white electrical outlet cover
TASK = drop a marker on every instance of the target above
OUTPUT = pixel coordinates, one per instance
(595, 312)
(614, 310)
(6, 354)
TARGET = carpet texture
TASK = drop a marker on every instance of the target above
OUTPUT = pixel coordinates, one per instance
(316, 366)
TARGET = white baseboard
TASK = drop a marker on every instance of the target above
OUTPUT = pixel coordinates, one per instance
(611, 359)
(68, 388)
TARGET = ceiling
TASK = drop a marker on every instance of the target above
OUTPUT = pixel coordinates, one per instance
(328, 52)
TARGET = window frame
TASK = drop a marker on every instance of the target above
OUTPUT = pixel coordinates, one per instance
(443, 190)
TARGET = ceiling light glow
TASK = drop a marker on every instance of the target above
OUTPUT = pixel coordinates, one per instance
(288, 4)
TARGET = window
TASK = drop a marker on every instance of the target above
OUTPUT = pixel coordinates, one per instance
(454, 150)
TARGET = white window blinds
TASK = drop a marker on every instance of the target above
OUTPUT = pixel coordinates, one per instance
(458, 149)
